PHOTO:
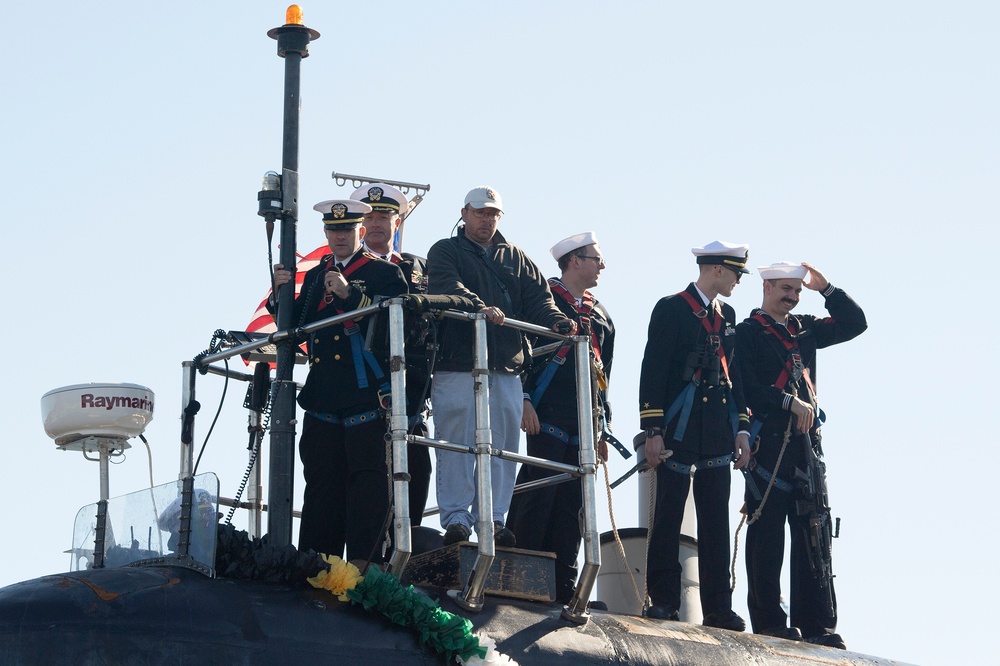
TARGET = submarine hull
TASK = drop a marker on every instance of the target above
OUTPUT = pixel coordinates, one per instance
(171, 615)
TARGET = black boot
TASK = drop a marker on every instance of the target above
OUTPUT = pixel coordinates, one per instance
(829, 640)
(788, 633)
(726, 619)
(664, 612)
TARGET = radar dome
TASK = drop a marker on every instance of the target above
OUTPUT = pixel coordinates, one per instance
(113, 411)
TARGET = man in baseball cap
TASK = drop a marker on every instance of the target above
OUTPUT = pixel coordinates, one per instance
(498, 277)
(484, 197)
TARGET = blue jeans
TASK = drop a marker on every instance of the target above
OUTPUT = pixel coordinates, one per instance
(455, 421)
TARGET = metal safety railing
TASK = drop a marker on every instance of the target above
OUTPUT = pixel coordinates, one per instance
(472, 595)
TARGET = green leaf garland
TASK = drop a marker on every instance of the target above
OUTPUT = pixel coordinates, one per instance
(444, 632)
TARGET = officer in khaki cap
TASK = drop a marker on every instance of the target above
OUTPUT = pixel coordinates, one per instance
(690, 401)
(343, 452)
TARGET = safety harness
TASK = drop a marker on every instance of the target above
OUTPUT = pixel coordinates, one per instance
(713, 343)
(792, 371)
(583, 310)
(762, 472)
(558, 433)
(347, 421)
(360, 355)
(706, 463)
(788, 337)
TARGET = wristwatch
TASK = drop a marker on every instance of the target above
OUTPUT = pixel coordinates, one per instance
(653, 432)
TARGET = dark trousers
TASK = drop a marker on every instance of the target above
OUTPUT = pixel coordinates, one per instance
(418, 458)
(663, 568)
(346, 495)
(548, 519)
(765, 551)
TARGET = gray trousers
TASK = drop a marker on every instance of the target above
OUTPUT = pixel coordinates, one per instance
(455, 421)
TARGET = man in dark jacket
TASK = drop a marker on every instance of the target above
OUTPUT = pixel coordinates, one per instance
(501, 280)
(389, 207)
(548, 518)
(689, 395)
(343, 453)
(776, 351)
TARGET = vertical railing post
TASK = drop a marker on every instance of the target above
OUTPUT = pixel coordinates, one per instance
(576, 610)
(399, 426)
(254, 490)
(471, 597)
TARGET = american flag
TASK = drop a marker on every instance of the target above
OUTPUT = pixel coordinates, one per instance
(262, 322)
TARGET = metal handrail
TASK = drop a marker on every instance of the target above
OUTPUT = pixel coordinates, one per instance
(572, 470)
(543, 482)
(292, 333)
(511, 323)
(471, 596)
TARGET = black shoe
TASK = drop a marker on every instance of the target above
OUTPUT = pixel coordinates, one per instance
(788, 633)
(662, 613)
(597, 605)
(502, 536)
(829, 640)
(455, 533)
(726, 619)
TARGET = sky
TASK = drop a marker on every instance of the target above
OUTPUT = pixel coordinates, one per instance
(858, 136)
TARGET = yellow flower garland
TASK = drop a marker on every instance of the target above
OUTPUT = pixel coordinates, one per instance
(341, 577)
(440, 630)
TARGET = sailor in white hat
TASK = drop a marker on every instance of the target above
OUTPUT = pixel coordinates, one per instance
(783, 283)
(581, 261)
(777, 354)
(782, 270)
(574, 242)
(546, 519)
(690, 397)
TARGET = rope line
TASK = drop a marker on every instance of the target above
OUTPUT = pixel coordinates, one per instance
(763, 500)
